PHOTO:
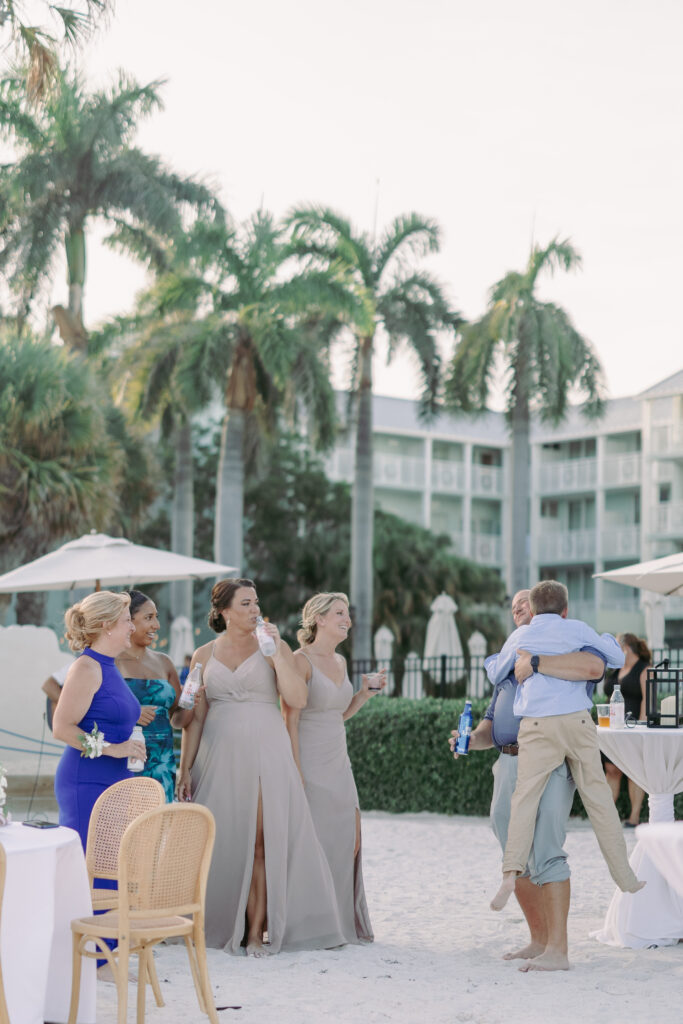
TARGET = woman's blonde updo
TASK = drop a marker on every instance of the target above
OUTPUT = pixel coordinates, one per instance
(97, 612)
(221, 598)
(319, 604)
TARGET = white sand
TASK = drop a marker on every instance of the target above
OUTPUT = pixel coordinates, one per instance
(437, 953)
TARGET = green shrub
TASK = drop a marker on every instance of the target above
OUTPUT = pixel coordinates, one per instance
(401, 761)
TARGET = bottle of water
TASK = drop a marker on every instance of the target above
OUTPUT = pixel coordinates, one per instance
(464, 729)
(265, 640)
(616, 708)
(135, 764)
(190, 687)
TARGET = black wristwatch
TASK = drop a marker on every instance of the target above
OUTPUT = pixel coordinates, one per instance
(535, 658)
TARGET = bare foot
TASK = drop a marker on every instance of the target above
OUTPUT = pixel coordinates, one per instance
(526, 952)
(507, 887)
(548, 961)
(257, 949)
(636, 887)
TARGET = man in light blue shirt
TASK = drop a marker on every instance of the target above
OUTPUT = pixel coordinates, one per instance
(556, 726)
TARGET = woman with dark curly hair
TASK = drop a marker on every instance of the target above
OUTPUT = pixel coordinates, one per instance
(268, 871)
(631, 676)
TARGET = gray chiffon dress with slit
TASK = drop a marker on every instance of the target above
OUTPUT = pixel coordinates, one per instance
(332, 795)
(244, 745)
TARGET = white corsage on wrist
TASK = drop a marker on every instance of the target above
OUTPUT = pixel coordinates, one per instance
(93, 743)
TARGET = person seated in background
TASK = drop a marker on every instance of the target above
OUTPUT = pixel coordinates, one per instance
(52, 688)
(631, 677)
(556, 726)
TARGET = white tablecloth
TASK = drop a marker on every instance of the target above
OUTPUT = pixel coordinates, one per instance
(45, 888)
(663, 843)
(653, 758)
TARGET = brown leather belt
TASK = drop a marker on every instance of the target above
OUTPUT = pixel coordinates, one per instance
(510, 748)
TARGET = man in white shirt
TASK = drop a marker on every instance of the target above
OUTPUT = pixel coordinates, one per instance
(557, 725)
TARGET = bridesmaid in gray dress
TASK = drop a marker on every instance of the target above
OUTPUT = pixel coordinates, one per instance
(268, 871)
(319, 744)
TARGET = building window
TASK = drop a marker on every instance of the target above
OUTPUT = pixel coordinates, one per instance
(549, 509)
(664, 493)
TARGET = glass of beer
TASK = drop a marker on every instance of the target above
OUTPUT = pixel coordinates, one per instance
(603, 715)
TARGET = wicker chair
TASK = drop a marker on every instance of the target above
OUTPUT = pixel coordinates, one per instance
(163, 866)
(4, 1015)
(111, 815)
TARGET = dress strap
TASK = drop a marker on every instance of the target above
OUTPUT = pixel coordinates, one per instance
(302, 651)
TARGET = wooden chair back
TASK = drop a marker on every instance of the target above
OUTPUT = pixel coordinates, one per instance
(111, 815)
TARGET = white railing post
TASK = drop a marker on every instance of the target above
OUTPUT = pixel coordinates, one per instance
(477, 679)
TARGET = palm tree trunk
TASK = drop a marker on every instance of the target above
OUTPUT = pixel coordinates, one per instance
(362, 512)
(75, 259)
(227, 538)
(521, 478)
(182, 515)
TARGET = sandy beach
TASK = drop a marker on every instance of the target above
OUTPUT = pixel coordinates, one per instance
(437, 951)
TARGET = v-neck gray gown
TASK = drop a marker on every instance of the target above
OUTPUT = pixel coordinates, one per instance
(332, 795)
(245, 743)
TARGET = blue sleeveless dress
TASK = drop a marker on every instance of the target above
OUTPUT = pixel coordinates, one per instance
(160, 763)
(80, 780)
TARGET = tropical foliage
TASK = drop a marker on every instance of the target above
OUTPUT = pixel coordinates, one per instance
(546, 361)
(409, 306)
(75, 162)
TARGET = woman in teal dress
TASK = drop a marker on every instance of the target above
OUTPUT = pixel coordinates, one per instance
(152, 678)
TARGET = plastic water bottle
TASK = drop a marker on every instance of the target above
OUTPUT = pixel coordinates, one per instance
(464, 729)
(135, 764)
(616, 708)
(190, 687)
(265, 640)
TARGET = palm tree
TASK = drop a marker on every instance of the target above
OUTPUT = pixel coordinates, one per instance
(70, 24)
(225, 320)
(411, 308)
(75, 162)
(545, 359)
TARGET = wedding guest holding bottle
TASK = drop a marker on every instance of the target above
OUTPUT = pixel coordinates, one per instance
(151, 676)
(631, 677)
(268, 869)
(96, 712)
(319, 744)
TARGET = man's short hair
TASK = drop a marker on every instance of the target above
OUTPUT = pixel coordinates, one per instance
(548, 597)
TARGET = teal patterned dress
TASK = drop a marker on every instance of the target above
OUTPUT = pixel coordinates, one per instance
(160, 763)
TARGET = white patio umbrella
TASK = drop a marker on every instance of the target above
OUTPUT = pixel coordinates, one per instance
(662, 575)
(442, 632)
(96, 560)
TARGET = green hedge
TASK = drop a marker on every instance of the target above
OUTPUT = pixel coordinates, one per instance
(401, 761)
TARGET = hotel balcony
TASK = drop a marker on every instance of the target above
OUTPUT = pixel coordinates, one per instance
(486, 549)
(667, 520)
(667, 441)
(621, 542)
(622, 470)
(567, 475)
(487, 481)
(448, 477)
(401, 472)
(558, 548)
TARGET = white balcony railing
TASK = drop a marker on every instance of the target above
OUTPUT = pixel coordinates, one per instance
(569, 546)
(667, 440)
(622, 470)
(487, 549)
(487, 480)
(568, 475)
(621, 542)
(668, 519)
(404, 472)
(448, 477)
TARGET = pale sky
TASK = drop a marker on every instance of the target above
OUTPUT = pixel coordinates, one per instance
(503, 121)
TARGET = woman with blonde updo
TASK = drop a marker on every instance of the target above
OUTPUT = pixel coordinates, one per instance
(268, 870)
(319, 746)
(94, 694)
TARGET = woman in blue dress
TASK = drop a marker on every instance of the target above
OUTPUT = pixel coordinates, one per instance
(94, 694)
(152, 678)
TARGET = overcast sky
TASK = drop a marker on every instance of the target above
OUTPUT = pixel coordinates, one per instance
(503, 121)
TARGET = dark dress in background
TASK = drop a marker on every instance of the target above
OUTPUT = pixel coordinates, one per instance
(630, 687)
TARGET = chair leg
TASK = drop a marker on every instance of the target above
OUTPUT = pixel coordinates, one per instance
(200, 952)
(195, 972)
(121, 975)
(142, 984)
(75, 979)
(153, 977)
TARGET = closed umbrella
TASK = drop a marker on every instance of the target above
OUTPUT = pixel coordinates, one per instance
(96, 560)
(442, 632)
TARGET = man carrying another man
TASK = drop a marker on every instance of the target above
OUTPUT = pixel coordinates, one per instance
(543, 891)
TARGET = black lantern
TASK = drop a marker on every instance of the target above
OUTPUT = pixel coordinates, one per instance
(664, 696)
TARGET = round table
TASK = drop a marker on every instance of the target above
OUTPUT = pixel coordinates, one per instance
(653, 758)
(46, 886)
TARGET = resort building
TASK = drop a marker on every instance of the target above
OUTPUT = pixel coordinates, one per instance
(604, 494)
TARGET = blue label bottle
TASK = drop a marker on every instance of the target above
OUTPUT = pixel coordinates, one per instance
(464, 729)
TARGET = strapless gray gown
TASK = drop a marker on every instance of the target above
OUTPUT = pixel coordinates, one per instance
(245, 743)
(332, 796)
